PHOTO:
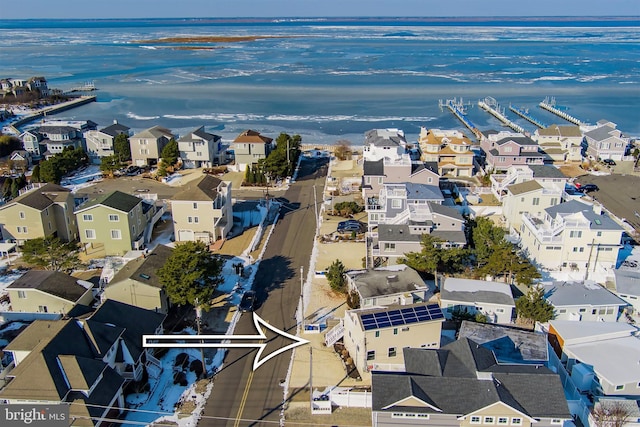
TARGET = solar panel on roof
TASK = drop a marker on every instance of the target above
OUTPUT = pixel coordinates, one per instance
(403, 316)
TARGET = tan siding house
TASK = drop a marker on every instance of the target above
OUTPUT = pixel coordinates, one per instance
(250, 146)
(146, 146)
(39, 291)
(202, 211)
(40, 211)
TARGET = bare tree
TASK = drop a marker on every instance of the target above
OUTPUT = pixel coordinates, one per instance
(611, 413)
(343, 149)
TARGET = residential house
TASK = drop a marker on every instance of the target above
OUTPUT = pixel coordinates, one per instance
(561, 143)
(100, 142)
(509, 344)
(116, 222)
(491, 299)
(386, 286)
(451, 149)
(203, 210)
(375, 336)
(550, 177)
(462, 384)
(146, 146)
(22, 160)
(504, 149)
(393, 241)
(384, 144)
(599, 362)
(31, 142)
(627, 287)
(396, 171)
(41, 210)
(250, 147)
(85, 363)
(59, 135)
(200, 149)
(137, 282)
(571, 235)
(43, 291)
(605, 141)
(395, 203)
(530, 198)
(584, 300)
(38, 84)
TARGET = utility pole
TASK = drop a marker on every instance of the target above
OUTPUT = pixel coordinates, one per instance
(198, 323)
(311, 377)
(302, 297)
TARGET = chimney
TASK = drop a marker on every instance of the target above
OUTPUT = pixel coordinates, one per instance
(115, 121)
(597, 208)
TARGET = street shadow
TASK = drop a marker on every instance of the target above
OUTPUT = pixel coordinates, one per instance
(272, 274)
(311, 168)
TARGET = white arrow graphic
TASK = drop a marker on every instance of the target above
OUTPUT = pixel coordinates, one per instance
(193, 341)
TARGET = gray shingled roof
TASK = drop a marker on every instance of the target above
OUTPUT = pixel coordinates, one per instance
(51, 282)
(450, 236)
(115, 129)
(381, 138)
(418, 166)
(597, 222)
(524, 187)
(520, 140)
(397, 233)
(627, 282)
(379, 282)
(116, 200)
(423, 192)
(468, 290)
(371, 168)
(202, 189)
(561, 131)
(201, 134)
(144, 269)
(445, 211)
(40, 198)
(154, 132)
(562, 294)
(546, 171)
(601, 132)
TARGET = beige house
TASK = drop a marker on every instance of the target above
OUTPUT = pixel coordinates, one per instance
(250, 146)
(99, 143)
(572, 235)
(451, 149)
(528, 197)
(375, 337)
(560, 143)
(116, 222)
(202, 211)
(146, 146)
(138, 284)
(41, 291)
(39, 211)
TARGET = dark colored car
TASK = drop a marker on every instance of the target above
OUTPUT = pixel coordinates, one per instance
(248, 302)
(609, 162)
(350, 226)
(586, 188)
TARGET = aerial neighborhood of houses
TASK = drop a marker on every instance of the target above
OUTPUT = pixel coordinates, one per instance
(496, 284)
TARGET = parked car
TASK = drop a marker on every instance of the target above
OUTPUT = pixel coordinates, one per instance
(248, 302)
(349, 227)
(132, 170)
(586, 188)
(609, 162)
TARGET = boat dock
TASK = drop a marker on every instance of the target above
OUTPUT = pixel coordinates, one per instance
(490, 105)
(51, 110)
(457, 107)
(524, 113)
(549, 104)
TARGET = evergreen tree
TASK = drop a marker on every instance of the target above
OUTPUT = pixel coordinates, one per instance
(121, 147)
(485, 237)
(14, 188)
(35, 174)
(191, 274)
(533, 306)
(170, 153)
(336, 276)
(429, 259)
(110, 164)
(50, 254)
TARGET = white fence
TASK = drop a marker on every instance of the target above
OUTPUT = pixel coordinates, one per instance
(351, 398)
(19, 316)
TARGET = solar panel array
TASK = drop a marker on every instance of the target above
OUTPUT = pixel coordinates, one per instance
(402, 316)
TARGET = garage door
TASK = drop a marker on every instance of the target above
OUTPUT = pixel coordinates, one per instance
(185, 235)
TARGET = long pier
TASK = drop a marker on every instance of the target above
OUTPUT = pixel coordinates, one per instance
(51, 110)
(490, 105)
(522, 112)
(550, 105)
(457, 108)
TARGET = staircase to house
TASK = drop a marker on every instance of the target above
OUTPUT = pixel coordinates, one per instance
(334, 334)
(401, 218)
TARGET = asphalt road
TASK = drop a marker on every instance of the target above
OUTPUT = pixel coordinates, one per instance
(240, 396)
(620, 194)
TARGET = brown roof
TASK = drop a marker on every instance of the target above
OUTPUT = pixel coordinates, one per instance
(37, 332)
(253, 137)
(203, 189)
(144, 268)
(564, 131)
(42, 197)
(51, 282)
(524, 187)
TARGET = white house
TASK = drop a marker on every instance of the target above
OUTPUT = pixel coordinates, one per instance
(586, 300)
(384, 143)
(492, 299)
(200, 149)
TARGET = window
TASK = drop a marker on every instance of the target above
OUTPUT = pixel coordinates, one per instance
(563, 310)
(195, 205)
(371, 355)
(554, 201)
(582, 310)
(392, 352)
(190, 220)
(90, 234)
(22, 215)
(556, 421)
(396, 203)
(380, 180)
(114, 218)
(389, 247)
(195, 219)
(116, 235)
(575, 233)
(489, 420)
(43, 309)
(503, 420)
(599, 234)
(395, 331)
(87, 217)
(620, 387)
(377, 334)
(536, 201)
(516, 421)
(22, 294)
(475, 419)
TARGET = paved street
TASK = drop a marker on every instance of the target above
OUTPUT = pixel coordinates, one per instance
(241, 397)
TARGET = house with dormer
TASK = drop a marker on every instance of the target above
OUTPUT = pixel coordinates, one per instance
(146, 146)
(116, 222)
(100, 142)
(202, 210)
(56, 139)
(561, 143)
(571, 235)
(137, 282)
(462, 384)
(250, 146)
(605, 141)
(31, 142)
(199, 148)
(504, 149)
(41, 210)
(450, 149)
(384, 143)
(85, 363)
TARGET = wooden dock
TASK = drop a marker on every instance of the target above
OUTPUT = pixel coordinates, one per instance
(524, 113)
(52, 109)
(549, 104)
(457, 107)
(491, 106)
